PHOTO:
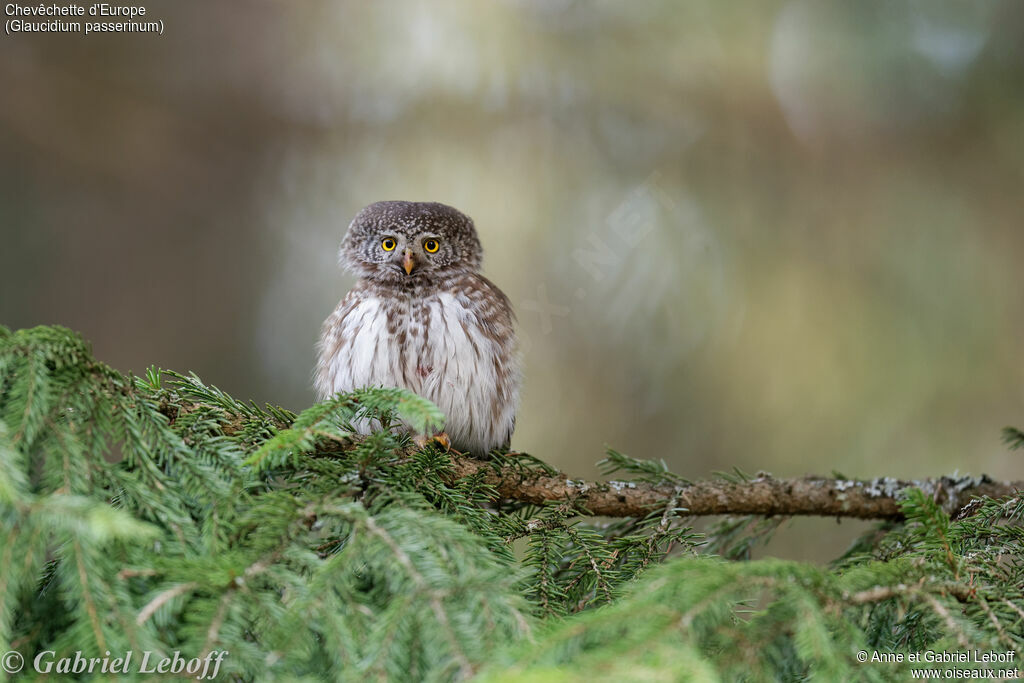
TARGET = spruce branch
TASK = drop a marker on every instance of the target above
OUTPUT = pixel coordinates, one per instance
(522, 478)
(435, 596)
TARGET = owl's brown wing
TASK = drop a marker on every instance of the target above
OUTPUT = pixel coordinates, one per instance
(495, 317)
(492, 307)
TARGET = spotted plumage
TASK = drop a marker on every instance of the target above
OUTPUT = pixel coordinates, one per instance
(421, 317)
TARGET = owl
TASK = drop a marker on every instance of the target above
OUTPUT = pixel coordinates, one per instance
(422, 318)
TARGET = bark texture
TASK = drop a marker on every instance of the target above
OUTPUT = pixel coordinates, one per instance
(764, 495)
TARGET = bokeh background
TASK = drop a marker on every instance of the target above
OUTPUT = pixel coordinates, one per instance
(782, 235)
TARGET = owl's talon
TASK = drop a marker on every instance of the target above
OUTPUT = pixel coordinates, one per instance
(421, 441)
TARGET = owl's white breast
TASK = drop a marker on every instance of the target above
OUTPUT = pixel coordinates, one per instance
(434, 346)
(462, 377)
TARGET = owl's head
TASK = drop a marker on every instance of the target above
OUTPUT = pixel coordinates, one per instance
(398, 242)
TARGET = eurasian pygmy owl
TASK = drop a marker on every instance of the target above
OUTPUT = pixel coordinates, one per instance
(421, 317)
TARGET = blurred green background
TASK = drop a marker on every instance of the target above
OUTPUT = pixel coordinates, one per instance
(781, 236)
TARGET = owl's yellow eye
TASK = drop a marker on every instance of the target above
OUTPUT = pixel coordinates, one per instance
(431, 246)
(389, 244)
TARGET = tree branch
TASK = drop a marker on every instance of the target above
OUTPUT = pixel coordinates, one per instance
(764, 495)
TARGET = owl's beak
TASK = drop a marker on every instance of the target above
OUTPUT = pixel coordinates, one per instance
(408, 263)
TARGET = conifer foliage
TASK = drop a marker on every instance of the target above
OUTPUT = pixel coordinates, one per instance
(160, 514)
